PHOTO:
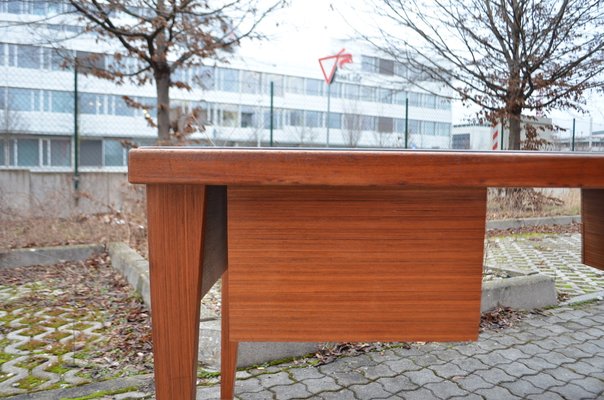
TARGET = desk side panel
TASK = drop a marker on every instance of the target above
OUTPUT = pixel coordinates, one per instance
(355, 264)
(592, 216)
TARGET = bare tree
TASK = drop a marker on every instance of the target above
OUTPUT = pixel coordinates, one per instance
(507, 56)
(164, 36)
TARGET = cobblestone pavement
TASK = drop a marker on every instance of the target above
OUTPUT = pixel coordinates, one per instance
(557, 354)
(558, 256)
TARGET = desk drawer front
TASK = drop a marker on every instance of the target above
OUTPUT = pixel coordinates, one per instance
(335, 264)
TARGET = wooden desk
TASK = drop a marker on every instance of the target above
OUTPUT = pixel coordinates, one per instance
(329, 245)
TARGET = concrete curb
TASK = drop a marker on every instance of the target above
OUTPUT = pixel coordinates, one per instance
(519, 223)
(133, 267)
(595, 296)
(519, 292)
(48, 255)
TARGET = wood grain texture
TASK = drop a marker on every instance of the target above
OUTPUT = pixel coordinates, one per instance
(592, 216)
(175, 216)
(365, 168)
(228, 348)
(355, 264)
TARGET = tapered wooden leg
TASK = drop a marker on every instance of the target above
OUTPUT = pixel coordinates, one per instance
(592, 216)
(228, 361)
(175, 218)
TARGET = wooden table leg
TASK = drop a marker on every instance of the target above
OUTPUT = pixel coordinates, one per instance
(175, 217)
(592, 216)
(228, 355)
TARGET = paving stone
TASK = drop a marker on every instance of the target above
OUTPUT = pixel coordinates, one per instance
(419, 394)
(370, 391)
(469, 396)
(517, 369)
(421, 377)
(573, 352)
(448, 370)
(590, 384)
(323, 384)
(270, 380)
(495, 376)
(537, 363)
(445, 389)
(448, 355)
(512, 354)
(555, 358)
(531, 349)
(344, 394)
(376, 371)
(563, 374)
(521, 388)
(385, 355)
(427, 360)
(493, 358)
(263, 395)
(397, 384)
(572, 391)
(472, 349)
(473, 382)
(545, 396)
(211, 392)
(581, 368)
(283, 392)
(250, 385)
(497, 393)
(402, 365)
(348, 378)
(300, 374)
(471, 364)
(542, 380)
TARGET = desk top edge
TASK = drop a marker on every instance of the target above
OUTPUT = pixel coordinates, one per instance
(364, 167)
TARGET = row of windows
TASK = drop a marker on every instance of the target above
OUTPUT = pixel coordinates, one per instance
(35, 7)
(221, 79)
(225, 115)
(57, 152)
(55, 101)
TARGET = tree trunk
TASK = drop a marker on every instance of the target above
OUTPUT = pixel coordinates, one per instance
(162, 85)
(514, 131)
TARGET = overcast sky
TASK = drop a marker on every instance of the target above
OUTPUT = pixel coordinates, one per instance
(302, 33)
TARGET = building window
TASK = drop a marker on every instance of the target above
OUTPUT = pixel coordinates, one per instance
(250, 82)
(121, 108)
(368, 123)
(367, 93)
(61, 102)
(3, 149)
(313, 119)
(113, 153)
(295, 85)
(296, 118)
(228, 116)
(386, 67)
(335, 120)
(20, 99)
(399, 125)
(368, 64)
(277, 84)
(28, 153)
(247, 117)
(91, 153)
(314, 87)
(385, 125)
(352, 122)
(277, 119)
(229, 79)
(60, 153)
(350, 91)
(442, 129)
(461, 141)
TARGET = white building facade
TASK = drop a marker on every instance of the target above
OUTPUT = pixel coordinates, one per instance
(370, 103)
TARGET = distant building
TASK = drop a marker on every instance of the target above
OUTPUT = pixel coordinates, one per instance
(231, 102)
(485, 137)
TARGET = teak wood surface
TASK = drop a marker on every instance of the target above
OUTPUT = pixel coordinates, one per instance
(329, 245)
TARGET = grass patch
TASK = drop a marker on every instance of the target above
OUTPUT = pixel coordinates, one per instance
(33, 345)
(57, 368)
(30, 382)
(32, 362)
